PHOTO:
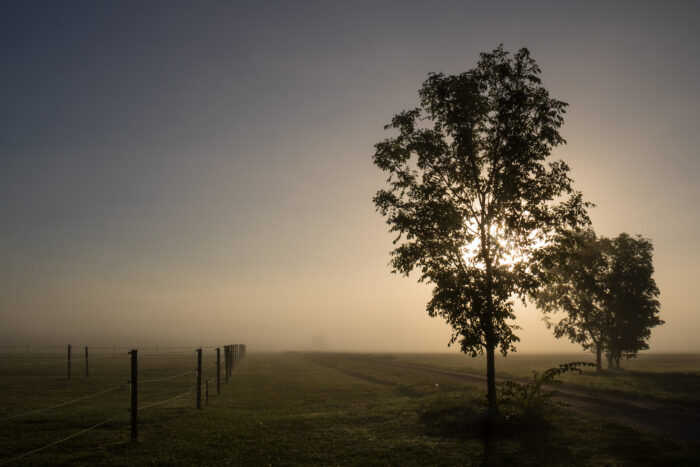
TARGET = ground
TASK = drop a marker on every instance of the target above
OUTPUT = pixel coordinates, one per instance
(299, 408)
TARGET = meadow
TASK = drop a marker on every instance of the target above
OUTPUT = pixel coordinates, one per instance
(299, 409)
(663, 376)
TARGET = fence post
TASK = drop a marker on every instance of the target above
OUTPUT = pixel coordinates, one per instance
(199, 378)
(134, 393)
(87, 372)
(68, 361)
(226, 361)
(218, 370)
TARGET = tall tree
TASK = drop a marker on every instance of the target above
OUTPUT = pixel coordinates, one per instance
(471, 194)
(574, 269)
(632, 296)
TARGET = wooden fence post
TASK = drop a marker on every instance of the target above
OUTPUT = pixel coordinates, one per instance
(226, 356)
(68, 361)
(87, 372)
(218, 370)
(134, 393)
(199, 378)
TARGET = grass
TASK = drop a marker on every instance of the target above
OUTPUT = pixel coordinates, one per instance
(301, 409)
(672, 377)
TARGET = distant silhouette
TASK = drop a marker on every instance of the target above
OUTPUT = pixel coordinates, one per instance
(318, 342)
(573, 271)
(471, 194)
(632, 297)
(605, 288)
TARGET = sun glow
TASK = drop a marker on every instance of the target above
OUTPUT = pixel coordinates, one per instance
(505, 250)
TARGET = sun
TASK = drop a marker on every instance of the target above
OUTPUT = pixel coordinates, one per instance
(508, 252)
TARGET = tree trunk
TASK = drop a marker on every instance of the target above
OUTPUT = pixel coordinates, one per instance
(490, 362)
(489, 328)
(617, 363)
(491, 378)
(598, 358)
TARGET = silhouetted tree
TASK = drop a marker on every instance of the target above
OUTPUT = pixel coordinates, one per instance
(606, 290)
(574, 269)
(631, 298)
(471, 194)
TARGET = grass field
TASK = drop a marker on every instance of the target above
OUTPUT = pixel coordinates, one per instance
(673, 377)
(305, 409)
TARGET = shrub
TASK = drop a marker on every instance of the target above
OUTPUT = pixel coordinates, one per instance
(528, 400)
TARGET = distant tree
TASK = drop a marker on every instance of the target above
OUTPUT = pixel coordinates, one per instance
(605, 289)
(471, 195)
(631, 297)
(574, 270)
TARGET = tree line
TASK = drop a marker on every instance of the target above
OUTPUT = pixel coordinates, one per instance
(481, 212)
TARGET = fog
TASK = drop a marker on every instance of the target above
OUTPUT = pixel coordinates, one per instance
(202, 176)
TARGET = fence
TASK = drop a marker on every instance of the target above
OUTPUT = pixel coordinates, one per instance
(232, 355)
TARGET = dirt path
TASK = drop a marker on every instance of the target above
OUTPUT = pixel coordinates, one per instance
(667, 418)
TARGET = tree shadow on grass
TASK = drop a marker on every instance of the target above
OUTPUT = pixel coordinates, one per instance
(450, 422)
(507, 440)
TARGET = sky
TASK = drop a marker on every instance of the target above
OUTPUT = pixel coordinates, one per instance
(200, 172)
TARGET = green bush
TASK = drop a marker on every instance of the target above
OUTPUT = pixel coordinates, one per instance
(528, 400)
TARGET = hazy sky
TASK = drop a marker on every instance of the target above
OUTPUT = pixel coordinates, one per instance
(201, 171)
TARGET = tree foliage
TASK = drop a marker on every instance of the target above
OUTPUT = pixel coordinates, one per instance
(632, 296)
(471, 193)
(574, 266)
(605, 289)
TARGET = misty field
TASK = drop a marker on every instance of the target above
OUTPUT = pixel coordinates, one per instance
(329, 409)
(671, 376)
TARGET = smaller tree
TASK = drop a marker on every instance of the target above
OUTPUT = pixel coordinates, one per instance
(631, 296)
(606, 290)
(574, 266)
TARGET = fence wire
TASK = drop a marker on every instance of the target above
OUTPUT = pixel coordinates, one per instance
(78, 358)
(90, 396)
(165, 378)
(34, 451)
(164, 401)
(63, 404)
